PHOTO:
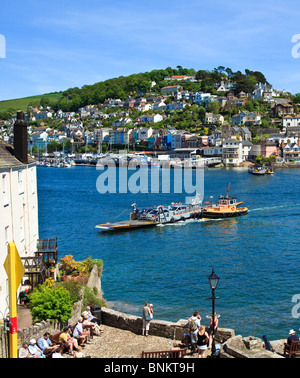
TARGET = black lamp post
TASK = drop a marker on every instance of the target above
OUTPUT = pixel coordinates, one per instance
(213, 280)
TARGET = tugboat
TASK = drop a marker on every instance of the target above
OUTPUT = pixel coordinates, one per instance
(226, 207)
(269, 171)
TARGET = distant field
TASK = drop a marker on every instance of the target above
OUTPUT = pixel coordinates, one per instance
(22, 103)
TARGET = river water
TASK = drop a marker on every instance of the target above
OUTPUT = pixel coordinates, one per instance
(256, 256)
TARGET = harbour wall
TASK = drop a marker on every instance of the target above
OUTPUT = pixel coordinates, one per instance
(161, 328)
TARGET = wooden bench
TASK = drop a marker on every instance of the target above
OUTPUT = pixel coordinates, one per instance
(294, 348)
(176, 353)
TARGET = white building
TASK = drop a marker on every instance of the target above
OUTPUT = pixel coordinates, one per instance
(291, 121)
(144, 133)
(246, 118)
(201, 98)
(214, 118)
(18, 205)
(232, 153)
(100, 134)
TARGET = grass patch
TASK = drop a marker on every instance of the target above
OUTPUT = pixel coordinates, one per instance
(22, 103)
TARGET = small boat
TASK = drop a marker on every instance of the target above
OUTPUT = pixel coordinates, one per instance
(269, 171)
(226, 207)
(257, 170)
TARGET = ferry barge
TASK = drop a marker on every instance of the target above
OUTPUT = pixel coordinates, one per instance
(153, 216)
(226, 207)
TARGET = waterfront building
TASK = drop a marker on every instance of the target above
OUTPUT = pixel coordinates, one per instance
(119, 136)
(18, 203)
(167, 142)
(144, 133)
(264, 148)
(232, 153)
(291, 151)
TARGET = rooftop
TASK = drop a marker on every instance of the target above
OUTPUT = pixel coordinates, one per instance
(7, 156)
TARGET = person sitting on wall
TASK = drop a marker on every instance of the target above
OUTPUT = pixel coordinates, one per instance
(45, 344)
(34, 350)
(91, 317)
(68, 341)
(24, 352)
(79, 334)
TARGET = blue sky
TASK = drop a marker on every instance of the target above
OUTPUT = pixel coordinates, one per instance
(54, 45)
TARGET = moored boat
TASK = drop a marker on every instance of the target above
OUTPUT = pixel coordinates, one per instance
(257, 170)
(269, 171)
(226, 207)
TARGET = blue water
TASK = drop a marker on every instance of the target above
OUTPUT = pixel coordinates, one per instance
(256, 256)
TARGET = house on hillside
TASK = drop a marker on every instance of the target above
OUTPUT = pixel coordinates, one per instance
(291, 121)
(282, 109)
(246, 118)
(242, 131)
(171, 90)
(211, 118)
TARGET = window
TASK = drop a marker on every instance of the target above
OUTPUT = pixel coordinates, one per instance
(4, 190)
(32, 176)
(20, 182)
(21, 228)
(6, 236)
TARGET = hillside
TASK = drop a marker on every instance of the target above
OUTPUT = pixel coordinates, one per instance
(22, 103)
(135, 85)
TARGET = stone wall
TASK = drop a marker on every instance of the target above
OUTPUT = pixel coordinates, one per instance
(160, 328)
(4, 352)
(248, 347)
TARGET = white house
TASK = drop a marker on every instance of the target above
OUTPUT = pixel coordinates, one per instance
(100, 134)
(291, 121)
(232, 153)
(214, 118)
(18, 204)
(246, 118)
(201, 97)
(144, 133)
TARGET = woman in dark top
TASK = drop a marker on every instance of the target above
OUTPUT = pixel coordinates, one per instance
(202, 342)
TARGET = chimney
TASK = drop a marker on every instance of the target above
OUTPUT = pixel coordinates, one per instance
(20, 138)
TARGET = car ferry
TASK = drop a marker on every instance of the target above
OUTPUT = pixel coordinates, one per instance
(226, 207)
(152, 216)
(257, 170)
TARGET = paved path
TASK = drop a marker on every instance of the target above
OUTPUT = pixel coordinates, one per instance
(118, 343)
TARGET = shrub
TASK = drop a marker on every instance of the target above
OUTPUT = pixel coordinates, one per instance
(53, 303)
(68, 264)
(90, 298)
(73, 288)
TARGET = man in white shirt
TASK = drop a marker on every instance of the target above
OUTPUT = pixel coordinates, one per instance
(194, 324)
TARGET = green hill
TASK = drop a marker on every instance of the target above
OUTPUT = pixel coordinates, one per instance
(133, 86)
(22, 103)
